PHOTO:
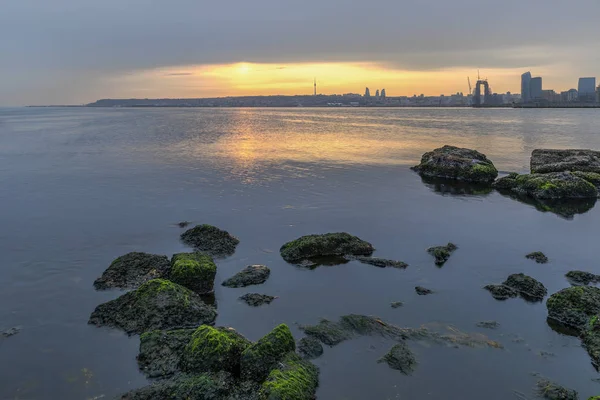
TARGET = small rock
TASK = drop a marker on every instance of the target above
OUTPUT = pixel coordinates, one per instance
(518, 284)
(421, 291)
(582, 278)
(211, 240)
(488, 324)
(251, 275)
(401, 358)
(538, 256)
(551, 186)
(309, 348)
(255, 299)
(442, 253)
(183, 224)
(396, 304)
(546, 354)
(325, 245)
(195, 271)
(552, 391)
(451, 162)
(501, 292)
(10, 332)
(378, 262)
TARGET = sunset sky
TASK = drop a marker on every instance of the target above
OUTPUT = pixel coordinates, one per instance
(74, 51)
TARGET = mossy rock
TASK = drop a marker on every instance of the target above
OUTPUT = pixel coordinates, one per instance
(214, 349)
(257, 299)
(161, 351)
(329, 333)
(551, 186)
(552, 391)
(325, 245)
(574, 307)
(554, 160)
(442, 253)
(132, 269)
(518, 285)
(450, 162)
(157, 304)
(195, 271)
(251, 275)
(538, 257)
(378, 262)
(501, 292)
(594, 398)
(258, 359)
(294, 379)
(400, 358)
(211, 240)
(582, 278)
(309, 348)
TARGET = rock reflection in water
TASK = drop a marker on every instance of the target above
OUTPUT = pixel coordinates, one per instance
(566, 209)
(456, 188)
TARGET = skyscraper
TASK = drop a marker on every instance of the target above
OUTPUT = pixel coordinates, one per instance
(367, 92)
(535, 88)
(377, 93)
(383, 93)
(525, 87)
(587, 89)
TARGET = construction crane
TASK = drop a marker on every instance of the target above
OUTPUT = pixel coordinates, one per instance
(470, 90)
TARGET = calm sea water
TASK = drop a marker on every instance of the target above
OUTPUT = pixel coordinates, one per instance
(79, 187)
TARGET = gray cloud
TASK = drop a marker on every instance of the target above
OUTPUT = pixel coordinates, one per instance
(78, 44)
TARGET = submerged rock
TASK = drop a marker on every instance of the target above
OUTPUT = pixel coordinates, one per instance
(264, 355)
(451, 162)
(294, 379)
(421, 291)
(488, 324)
(574, 307)
(325, 245)
(195, 271)
(309, 348)
(132, 269)
(442, 253)
(10, 331)
(213, 350)
(396, 304)
(329, 333)
(550, 160)
(161, 351)
(157, 304)
(183, 224)
(582, 278)
(551, 186)
(378, 262)
(401, 358)
(256, 299)
(251, 275)
(211, 240)
(552, 391)
(538, 257)
(518, 284)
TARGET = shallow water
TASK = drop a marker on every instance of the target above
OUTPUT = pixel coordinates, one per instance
(79, 187)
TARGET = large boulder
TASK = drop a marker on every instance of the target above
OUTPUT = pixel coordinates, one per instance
(574, 307)
(294, 379)
(214, 349)
(451, 162)
(195, 271)
(551, 186)
(550, 160)
(211, 240)
(157, 304)
(264, 355)
(161, 351)
(132, 269)
(251, 275)
(326, 245)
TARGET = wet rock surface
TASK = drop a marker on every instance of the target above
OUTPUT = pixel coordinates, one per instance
(518, 285)
(442, 253)
(325, 245)
(421, 291)
(550, 160)
(294, 378)
(574, 307)
(195, 271)
(400, 358)
(157, 304)
(210, 240)
(378, 262)
(582, 278)
(451, 162)
(309, 348)
(161, 351)
(551, 186)
(538, 257)
(258, 359)
(133, 269)
(552, 391)
(251, 275)
(256, 299)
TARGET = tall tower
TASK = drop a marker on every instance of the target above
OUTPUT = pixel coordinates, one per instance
(377, 93)
(315, 85)
(367, 92)
(382, 93)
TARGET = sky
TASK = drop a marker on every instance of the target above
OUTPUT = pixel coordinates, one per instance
(78, 51)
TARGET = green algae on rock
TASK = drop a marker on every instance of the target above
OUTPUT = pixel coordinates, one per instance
(262, 356)
(401, 358)
(552, 391)
(538, 257)
(582, 278)
(329, 333)
(325, 245)
(214, 349)
(251, 275)
(157, 304)
(574, 307)
(518, 284)
(551, 186)
(551, 160)
(442, 253)
(257, 299)
(309, 347)
(294, 379)
(195, 271)
(378, 262)
(161, 351)
(132, 269)
(451, 162)
(211, 240)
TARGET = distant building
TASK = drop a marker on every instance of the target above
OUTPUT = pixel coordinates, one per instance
(526, 87)
(569, 96)
(551, 96)
(535, 88)
(587, 89)
(367, 92)
(598, 94)
(377, 93)
(383, 93)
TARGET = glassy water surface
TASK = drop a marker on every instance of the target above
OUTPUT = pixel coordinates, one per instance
(80, 187)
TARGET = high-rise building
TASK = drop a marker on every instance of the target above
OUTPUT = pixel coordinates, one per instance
(587, 89)
(598, 94)
(535, 88)
(367, 92)
(377, 93)
(569, 96)
(525, 87)
(383, 93)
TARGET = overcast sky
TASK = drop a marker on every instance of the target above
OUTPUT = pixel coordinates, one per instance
(75, 51)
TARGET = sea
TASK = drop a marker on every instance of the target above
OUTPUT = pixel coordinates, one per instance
(80, 187)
